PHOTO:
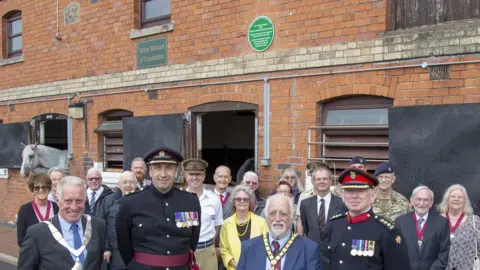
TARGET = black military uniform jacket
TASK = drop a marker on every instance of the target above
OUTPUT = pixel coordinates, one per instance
(146, 223)
(382, 247)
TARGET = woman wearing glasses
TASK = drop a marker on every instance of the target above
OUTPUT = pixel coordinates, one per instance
(241, 226)
(37, 210)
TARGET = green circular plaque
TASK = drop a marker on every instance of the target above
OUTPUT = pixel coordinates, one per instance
(261, 33)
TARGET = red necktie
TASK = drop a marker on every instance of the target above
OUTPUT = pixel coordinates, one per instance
(276, 250)
(221, 199)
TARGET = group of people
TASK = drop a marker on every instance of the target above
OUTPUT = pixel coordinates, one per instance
(359, 223)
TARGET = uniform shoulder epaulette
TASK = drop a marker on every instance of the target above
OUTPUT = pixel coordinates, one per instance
(338, 216)
(186, 191)
(385, 222)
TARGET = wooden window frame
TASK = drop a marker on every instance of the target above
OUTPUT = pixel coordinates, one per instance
(400, 14)
(156, 21)
(112, 136)
(350, 103)
(14, 17)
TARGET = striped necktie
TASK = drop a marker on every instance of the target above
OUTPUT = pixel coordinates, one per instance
(92, 203)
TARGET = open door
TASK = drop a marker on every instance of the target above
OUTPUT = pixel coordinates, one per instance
(436, 146)
(11, 138)
(144, 133)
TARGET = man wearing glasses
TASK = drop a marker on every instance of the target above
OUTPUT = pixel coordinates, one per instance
(96, 192)
(317, 210)
(250, 179)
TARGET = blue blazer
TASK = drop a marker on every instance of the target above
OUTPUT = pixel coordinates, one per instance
(303, 254)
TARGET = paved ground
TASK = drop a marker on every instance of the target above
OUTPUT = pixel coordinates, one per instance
(6, 266)
(8, 248)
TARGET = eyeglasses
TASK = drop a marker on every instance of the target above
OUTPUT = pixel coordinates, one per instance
(250, 183)
(289, 177)
(94, 179)
(240, 199)
(37, 188)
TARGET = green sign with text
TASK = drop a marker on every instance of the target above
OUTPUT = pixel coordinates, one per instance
(261, 33)
(152, 53)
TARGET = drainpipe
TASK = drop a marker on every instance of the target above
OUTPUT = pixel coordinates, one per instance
(266, 161)
(69, 134)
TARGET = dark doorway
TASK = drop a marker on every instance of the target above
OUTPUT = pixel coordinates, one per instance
(51, 130)
(227, 138)
(55, 134)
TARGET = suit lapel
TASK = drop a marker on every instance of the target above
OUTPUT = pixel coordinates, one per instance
(314, 214)
(428, 229)
(292, 254)
(64, 251)
(412, 231)
(89, 245)
(259, 257)
(332, 209)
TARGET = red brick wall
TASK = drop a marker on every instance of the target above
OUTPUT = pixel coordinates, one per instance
(204, 30)
(407, 86)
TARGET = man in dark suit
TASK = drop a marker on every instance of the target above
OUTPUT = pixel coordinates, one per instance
(317, 210)
(426, 233)
(279, 248)
(43, 249)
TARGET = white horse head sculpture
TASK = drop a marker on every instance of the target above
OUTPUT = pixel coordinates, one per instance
(35, 156)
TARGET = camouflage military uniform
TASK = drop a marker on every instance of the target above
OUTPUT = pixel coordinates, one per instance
(393, 208)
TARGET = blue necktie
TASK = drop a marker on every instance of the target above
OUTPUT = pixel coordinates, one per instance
(92, 203)
(77, 241)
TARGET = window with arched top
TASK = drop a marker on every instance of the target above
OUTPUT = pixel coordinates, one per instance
(12, 22)
(111, 131)
(351, 126)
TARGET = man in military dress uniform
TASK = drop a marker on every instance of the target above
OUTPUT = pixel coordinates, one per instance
(388, 203)
(159, 227)
(360, 239)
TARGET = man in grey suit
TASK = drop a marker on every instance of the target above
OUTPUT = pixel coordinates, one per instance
(317, 210)
(67, 250)
(426, 233)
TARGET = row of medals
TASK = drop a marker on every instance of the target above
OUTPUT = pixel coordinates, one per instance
(365, 253)
(188, 223)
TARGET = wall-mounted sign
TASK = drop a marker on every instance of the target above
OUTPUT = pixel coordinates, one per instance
(261, 33)
(4, 173)
(71, 13)
(151, 53)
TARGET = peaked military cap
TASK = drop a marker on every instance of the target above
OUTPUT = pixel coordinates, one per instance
(194, 165)
(358, 160)
(383, 168)
(357, 179)
(163, 155)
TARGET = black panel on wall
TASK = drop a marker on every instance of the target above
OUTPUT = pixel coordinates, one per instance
(436, 146)
(145, 133)
(11, 137)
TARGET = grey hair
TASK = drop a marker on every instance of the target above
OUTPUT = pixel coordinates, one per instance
(139, 159)
(235, 191)
(443, 206)
(420, 188)
(70, 181)
(250, 173)
(94, 170)
(290, 204)
(297, 182)
(57, 169)
(125, 173)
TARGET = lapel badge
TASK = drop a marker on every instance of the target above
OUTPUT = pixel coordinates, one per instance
(398, 239)
(353, 175)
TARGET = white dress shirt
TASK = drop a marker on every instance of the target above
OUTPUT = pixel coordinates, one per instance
(211, 216)
(97, 194)
(327, 199)
(424, 219)
(282, 242)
